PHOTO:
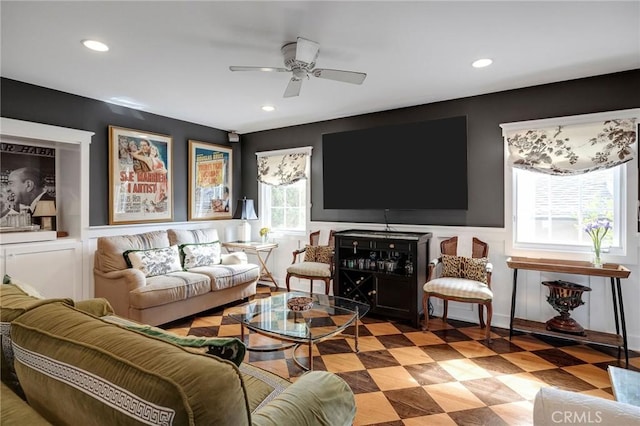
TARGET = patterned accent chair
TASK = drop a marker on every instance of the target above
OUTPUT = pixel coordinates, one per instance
(461, 279)
(317, 263)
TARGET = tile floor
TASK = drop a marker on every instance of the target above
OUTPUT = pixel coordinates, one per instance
(447, 376)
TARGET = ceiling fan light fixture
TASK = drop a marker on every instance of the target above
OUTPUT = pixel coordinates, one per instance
(95, 45)
(481, 63)
(300, 60)
(268, 108)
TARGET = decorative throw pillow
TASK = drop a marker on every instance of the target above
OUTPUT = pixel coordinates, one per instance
(194, 255)
(27, 288)
(310, 253)
(465, 267)
(321, 254)
(324, 254)
(229, 348)
(154, 262)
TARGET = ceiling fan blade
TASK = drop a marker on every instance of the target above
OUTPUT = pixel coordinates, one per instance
(339, 75)
(293, 88)
(306, 50)
(267, 69)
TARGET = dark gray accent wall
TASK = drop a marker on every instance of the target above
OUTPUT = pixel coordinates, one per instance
(27, 102)
(485, 145)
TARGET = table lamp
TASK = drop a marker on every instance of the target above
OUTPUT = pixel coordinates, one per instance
(245, 211)
(46, 210)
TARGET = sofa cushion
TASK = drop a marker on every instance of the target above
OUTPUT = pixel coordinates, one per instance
(226, 276)
(153, 262)
(16, 411)
(98, 370)
(192, 236)
(262, 386)
(109, 249)
(163, 289)
(202, 254)
(13, 303)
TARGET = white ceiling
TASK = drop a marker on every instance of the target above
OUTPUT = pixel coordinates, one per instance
(172, 58)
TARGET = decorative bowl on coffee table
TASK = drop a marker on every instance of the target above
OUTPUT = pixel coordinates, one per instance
(300, 304)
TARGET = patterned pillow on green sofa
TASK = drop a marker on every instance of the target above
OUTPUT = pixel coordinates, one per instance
(230, 348)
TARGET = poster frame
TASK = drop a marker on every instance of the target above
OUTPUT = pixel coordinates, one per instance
(213, 205)
(134, 176)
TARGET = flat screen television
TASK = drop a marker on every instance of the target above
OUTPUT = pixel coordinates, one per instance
(412, 166)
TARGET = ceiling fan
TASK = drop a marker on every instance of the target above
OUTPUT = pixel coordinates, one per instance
(300, 59)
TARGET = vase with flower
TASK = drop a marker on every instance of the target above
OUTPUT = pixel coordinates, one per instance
(597, 231)
(264, 233)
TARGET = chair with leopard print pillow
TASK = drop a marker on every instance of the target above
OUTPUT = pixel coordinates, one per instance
(317, 263)
(463, 279)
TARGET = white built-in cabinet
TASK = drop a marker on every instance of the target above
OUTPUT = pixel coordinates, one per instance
(58, 267)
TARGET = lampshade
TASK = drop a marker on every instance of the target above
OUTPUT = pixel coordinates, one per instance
(244, 210)
(45, 208)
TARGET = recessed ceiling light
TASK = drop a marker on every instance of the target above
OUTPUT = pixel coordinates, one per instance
(268, 108)
(481, 63)
(95, 45)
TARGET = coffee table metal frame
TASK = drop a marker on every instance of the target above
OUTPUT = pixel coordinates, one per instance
(270, 317)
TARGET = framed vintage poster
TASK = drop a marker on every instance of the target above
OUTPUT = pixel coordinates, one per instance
(28, 177)
(140, 188)
(210, 181)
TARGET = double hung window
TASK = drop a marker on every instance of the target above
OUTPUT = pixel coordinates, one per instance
(284, 189)
(565, 173)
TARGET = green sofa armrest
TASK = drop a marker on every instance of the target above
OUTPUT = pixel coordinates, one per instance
(15, 411)
(316, 398)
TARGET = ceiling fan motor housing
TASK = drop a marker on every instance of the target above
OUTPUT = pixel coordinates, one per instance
(289, 53)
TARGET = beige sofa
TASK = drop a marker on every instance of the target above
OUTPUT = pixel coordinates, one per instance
(76, 368)
(165, 291)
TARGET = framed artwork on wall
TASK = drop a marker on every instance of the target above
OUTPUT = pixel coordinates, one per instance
(210, 181)
(27, 184)
(140, 167)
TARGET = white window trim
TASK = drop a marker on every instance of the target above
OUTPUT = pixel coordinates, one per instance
(629, 238)
(262, 192)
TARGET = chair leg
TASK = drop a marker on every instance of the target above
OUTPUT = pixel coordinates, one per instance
(425, 307)
(311, 287)
(326, 286)
(489, 315)
(446, 308)
(481, 314)
(288, 288)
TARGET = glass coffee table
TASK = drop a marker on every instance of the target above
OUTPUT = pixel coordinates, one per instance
(328, 317)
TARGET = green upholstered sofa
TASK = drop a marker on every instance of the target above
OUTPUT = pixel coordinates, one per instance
(74, 367)
(156, 298)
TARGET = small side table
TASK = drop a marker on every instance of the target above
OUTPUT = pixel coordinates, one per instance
(262, 252)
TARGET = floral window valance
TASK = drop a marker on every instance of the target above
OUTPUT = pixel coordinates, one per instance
(573, 148)
(282, 168)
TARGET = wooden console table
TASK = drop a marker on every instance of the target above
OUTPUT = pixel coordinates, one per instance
(609, 270)
(256, 248)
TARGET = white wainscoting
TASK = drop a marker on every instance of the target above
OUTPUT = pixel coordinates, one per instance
(595, 314)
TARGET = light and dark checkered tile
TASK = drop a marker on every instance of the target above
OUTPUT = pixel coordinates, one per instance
(449, 375)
